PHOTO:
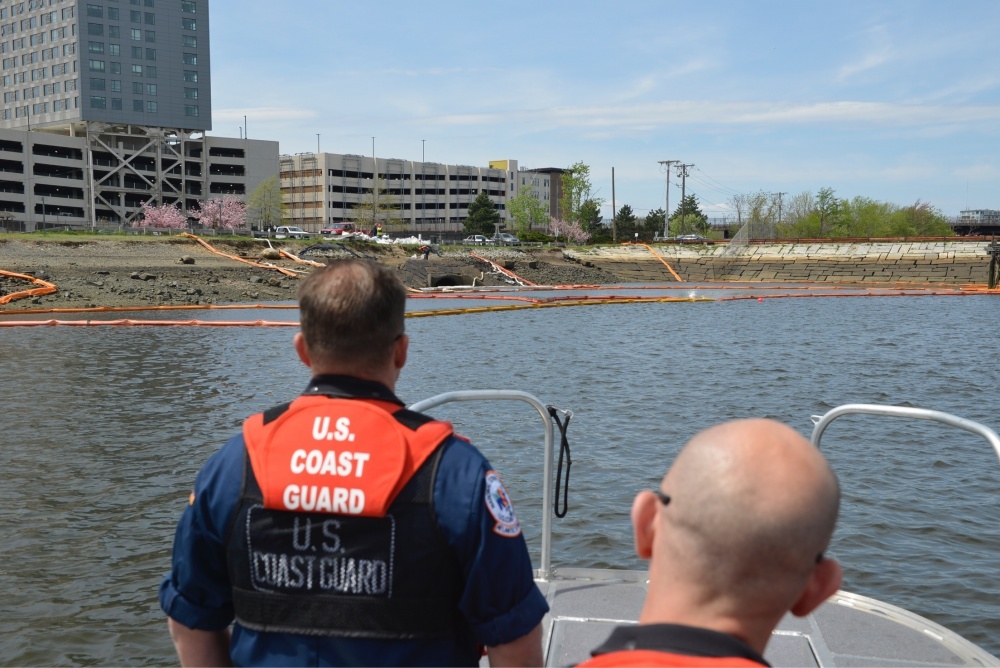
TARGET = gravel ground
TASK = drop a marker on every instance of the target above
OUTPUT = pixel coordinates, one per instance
(175, 271)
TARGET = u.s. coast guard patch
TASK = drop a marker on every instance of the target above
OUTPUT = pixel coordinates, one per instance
(500, 507)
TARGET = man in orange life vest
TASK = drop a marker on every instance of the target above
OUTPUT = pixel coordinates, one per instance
(344, 529)
(735, 536)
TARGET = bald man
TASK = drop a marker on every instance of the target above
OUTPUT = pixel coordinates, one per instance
(735, 537)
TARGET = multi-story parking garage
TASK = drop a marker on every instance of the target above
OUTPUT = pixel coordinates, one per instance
(426, 197)
(106, 105)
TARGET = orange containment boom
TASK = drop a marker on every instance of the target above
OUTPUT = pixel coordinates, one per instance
(45, 288)
(209, 248)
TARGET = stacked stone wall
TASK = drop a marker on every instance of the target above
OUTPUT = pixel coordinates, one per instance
(915, 262)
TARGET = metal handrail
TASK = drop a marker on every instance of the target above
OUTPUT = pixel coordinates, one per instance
(822, 422)
(514, 395)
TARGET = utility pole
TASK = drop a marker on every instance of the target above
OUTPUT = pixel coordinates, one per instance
(682, 171)
(666, 211)
(614, 210)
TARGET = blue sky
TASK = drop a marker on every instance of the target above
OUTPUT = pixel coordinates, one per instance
(895, 100)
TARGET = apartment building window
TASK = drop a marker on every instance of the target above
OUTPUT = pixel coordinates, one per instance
(37, 39)
(191, 77)
(96, 11)
(137, 70)
(96, 65)
(150, 89)
(95, 28)
(97, 84)
(136, 35)
(189, 6)
(137, 105)
(190, 58)
(67, 13)
(69, 49)
(190, 41)
(116, 103)
(137, 52)
(150, 3)
(189, 24)
(190, 110)
(150, 18)
(116, 86)
(150, 35)
(98, 102)
(114, 49)
(135, 16)
(191, 93)
(150, 107)
(113, 13)
(70, 85)
(137, 87)
(150, 71)
(95, 47)
(114, 31)
(150, 54)
(116, 68)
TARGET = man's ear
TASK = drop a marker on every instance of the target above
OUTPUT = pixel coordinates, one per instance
(824, 581)
(644, 523)
(299, 342)
(400, 351)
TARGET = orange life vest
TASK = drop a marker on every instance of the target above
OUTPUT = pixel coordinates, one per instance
(648, 657)
(335, 533)
(343, 456)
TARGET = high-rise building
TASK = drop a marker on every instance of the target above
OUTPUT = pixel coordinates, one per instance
(105, 106)
(121, 62)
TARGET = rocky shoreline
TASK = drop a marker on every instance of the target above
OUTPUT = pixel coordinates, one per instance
(178, 271)
(128, 272)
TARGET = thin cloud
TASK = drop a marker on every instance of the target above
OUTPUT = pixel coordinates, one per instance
(264, 114)
(664, 114)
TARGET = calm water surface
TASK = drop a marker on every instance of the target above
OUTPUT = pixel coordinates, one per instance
(104, 429)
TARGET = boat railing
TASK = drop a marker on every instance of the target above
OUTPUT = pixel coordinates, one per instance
(821, 422)
(547, 498)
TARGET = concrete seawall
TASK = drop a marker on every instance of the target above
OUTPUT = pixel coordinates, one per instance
(948, 262)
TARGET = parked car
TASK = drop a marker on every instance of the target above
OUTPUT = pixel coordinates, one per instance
(475, 240)
(691, 237)
(338, 229)
(288, 232)
(505, 239)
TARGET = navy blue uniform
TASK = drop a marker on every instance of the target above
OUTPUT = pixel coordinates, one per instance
(498, 602)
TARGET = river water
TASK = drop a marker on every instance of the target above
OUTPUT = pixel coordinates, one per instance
(104, 429)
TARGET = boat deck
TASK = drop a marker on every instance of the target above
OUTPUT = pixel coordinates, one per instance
(847, 630)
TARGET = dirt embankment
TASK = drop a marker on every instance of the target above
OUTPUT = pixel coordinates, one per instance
(176, 271)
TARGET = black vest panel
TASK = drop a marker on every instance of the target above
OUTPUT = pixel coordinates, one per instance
(392, 577)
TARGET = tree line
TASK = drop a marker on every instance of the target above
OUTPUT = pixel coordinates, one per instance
(763, 215)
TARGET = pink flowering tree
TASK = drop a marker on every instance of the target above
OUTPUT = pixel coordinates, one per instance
(166, 215)
(227, 213)
(571, 231)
